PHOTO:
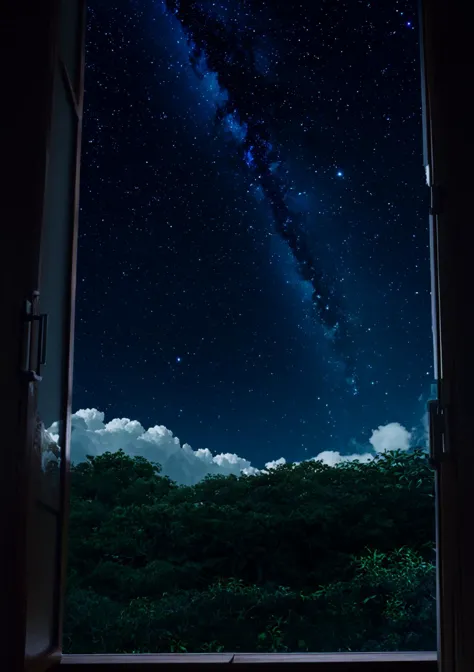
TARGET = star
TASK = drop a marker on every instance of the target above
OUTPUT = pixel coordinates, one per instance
(250, 228)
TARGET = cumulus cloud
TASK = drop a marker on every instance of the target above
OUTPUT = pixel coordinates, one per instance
(333, 457)
(91, 435)
(390, 437)
(275, 463)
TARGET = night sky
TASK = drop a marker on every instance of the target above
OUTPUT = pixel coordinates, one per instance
(253, 252)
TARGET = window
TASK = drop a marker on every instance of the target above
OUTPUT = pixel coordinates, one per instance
(446, 472)
(272, 310)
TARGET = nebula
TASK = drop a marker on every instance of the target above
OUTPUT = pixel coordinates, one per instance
(244, 104)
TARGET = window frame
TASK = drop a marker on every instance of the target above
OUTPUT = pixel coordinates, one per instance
(454, 474)
(258, 662)
(335, 662)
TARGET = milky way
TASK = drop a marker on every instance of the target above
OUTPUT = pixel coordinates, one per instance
(246, 107)
(253, 244)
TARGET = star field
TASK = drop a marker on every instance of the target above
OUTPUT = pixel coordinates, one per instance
(253, 254)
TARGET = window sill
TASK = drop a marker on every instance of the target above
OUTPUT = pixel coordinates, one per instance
(425, 661)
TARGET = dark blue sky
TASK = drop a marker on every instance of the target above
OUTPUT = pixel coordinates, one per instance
(253, 253)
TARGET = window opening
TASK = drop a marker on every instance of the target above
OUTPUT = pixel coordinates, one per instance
(253, 316)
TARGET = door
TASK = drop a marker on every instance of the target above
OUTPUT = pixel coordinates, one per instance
(447, 64)
(41, 209)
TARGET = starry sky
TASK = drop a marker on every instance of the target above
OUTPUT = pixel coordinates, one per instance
(253, 265)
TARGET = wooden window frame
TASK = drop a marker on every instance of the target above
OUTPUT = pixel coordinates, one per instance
(455, 476)
(258, 662)
(322, 662)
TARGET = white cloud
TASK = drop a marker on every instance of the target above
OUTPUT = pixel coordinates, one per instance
(333, 457)
(390, 437)
(275, 463)
(91, 435)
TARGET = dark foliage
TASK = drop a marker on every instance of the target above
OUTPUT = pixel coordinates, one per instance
(304, 558)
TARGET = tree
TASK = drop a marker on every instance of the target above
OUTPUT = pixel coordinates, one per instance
(293, 559)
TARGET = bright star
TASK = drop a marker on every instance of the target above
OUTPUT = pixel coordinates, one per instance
(178, 359)
(340, 173)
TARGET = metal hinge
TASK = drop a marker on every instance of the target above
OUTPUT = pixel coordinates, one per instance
(438, 432)
(34, 357)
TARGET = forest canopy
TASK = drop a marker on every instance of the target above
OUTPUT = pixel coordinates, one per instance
(305, 557)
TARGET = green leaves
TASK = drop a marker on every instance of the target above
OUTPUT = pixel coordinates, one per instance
(304, 558)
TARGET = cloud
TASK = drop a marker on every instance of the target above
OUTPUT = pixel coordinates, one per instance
(333, 457)
(275, 463)
(390, 437)
(91, 435)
